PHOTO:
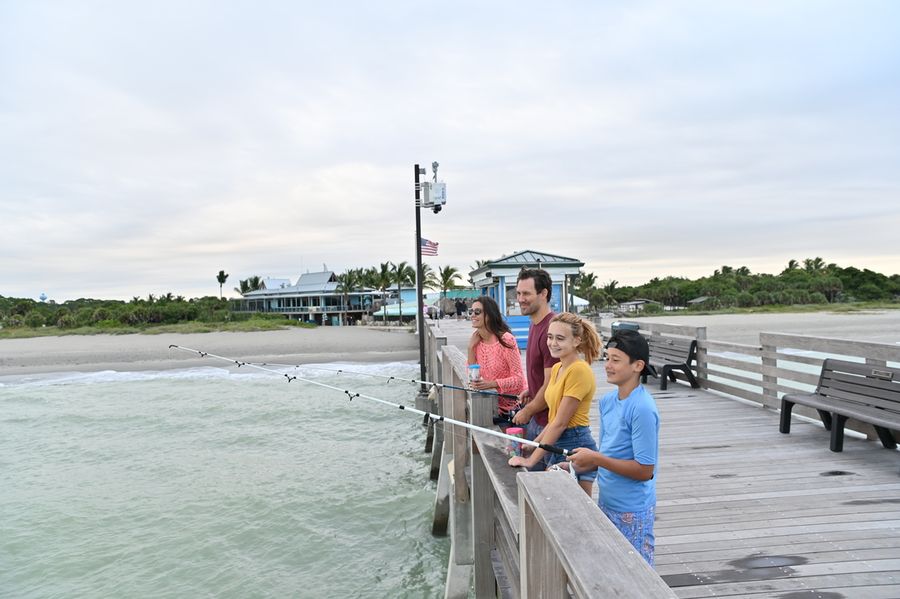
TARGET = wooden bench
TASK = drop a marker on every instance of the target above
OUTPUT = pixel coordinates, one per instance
(668, 354)
(863, 392)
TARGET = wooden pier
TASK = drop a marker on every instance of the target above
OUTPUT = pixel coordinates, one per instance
(743, 511)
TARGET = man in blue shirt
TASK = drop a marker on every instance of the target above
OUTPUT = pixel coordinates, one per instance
(629, 444)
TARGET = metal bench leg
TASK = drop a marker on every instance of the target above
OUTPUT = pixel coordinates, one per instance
(786, 407)
(837, 432)
(826, 419)
(887, 437)
(691, 378)
(664, 378)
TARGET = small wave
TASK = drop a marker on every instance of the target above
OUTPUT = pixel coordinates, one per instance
(324, 370)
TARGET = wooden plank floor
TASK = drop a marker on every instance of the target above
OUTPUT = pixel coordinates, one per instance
(744, 511)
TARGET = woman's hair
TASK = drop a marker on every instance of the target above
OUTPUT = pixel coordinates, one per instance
(590, 341)
(493, 320)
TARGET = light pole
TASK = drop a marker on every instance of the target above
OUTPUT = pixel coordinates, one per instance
(434, 202)
(420, 301)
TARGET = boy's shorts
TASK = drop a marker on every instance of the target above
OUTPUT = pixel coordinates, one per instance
(637, 527)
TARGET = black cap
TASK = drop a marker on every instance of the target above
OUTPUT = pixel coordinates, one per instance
(635, 347)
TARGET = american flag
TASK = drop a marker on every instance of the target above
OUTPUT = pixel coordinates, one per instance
(429, 248)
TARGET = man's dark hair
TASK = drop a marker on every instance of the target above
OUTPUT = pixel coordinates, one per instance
(541, 280)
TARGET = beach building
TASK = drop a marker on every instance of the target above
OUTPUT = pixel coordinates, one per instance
(315, 297)
(635, 305)
(497, 278)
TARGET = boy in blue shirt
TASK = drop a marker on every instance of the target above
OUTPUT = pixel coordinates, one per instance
(629, 444)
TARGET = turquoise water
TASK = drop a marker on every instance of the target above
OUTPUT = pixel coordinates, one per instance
(213, 483)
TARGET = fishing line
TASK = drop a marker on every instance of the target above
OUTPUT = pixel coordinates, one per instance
(392, 378)
(353, 395)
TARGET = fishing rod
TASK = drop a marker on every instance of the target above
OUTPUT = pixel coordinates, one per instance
(395, 378)
(352, 395)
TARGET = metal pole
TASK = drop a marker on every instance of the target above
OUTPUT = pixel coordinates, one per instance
(420, 302)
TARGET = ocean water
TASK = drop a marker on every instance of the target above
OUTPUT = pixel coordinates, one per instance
(215, 483)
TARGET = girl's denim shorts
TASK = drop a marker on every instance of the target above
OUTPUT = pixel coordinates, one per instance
(577, 436)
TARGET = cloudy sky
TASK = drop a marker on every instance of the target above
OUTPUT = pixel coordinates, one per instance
(144, 146)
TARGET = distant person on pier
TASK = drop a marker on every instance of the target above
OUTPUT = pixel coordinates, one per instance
(533, 290)
(460, 309)
(629, 444)
(569, 394)
(493, 347)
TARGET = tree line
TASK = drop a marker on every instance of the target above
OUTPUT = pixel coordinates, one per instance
(810, 282)
(139, 312)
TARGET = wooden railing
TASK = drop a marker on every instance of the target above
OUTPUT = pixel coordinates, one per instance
(518, 534)
(780, 364)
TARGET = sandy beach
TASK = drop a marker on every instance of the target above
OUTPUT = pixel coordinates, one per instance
(882, 326)
(91, 353)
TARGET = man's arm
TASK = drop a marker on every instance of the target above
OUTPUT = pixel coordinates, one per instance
(536, 404)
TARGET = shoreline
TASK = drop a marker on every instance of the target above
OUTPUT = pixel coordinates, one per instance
(138, 352)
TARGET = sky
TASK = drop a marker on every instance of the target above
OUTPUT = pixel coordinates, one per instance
(144, 146)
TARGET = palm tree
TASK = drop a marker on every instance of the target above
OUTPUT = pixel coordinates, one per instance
(383, 279)
(348, 282)
(247, 285)
(404, 274)
(447, 277)
(429, 279)
(478, 264)
(813, 264)
(221, 278)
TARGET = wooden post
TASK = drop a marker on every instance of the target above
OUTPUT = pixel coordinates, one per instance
(770, 380)
(483, 526)
(462, 551)
(541, 575)
(702, 373)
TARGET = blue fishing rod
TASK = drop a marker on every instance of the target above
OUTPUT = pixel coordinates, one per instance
(353, 395)
(394, 378)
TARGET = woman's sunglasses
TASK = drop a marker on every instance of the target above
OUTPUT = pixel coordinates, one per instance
(477, 311)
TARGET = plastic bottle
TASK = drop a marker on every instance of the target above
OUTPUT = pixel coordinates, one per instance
(514, 448)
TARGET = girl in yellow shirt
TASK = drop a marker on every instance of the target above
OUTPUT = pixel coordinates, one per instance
(569, 394)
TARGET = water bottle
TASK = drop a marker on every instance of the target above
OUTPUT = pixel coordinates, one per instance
(514, 448)
(474, 373)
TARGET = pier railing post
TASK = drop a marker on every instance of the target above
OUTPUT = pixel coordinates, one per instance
(702, 364)
(769, 363)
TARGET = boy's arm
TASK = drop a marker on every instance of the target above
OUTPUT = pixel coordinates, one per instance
(585, 459)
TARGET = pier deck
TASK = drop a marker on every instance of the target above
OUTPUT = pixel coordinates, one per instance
(744, 511)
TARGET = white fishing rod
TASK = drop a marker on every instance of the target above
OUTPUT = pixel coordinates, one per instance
(394, 378)
(352, 395)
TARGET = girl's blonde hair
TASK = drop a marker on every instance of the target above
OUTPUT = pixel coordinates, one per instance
(590, 341)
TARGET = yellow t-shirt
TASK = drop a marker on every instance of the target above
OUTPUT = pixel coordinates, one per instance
(577, 381)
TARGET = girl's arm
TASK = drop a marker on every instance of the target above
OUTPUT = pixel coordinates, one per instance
(551, 433)
(515, 382)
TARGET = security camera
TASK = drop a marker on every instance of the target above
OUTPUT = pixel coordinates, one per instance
(436, 208)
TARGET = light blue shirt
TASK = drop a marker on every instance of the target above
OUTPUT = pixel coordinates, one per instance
(629, 430)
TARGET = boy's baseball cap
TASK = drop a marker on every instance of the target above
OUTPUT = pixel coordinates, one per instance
(634, 345)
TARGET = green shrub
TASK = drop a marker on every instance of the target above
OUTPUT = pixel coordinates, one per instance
(34, 319)
(66, 321)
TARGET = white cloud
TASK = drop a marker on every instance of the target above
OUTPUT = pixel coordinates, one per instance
(142, 149)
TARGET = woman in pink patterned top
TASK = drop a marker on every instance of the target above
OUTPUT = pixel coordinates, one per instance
(493, 347)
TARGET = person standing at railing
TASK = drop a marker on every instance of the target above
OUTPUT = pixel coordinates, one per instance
(533, 289)
(493, 347)
(629, 444)
(569, 394)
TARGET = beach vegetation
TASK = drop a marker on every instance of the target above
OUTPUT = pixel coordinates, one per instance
(809, 284)
(153, 314)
